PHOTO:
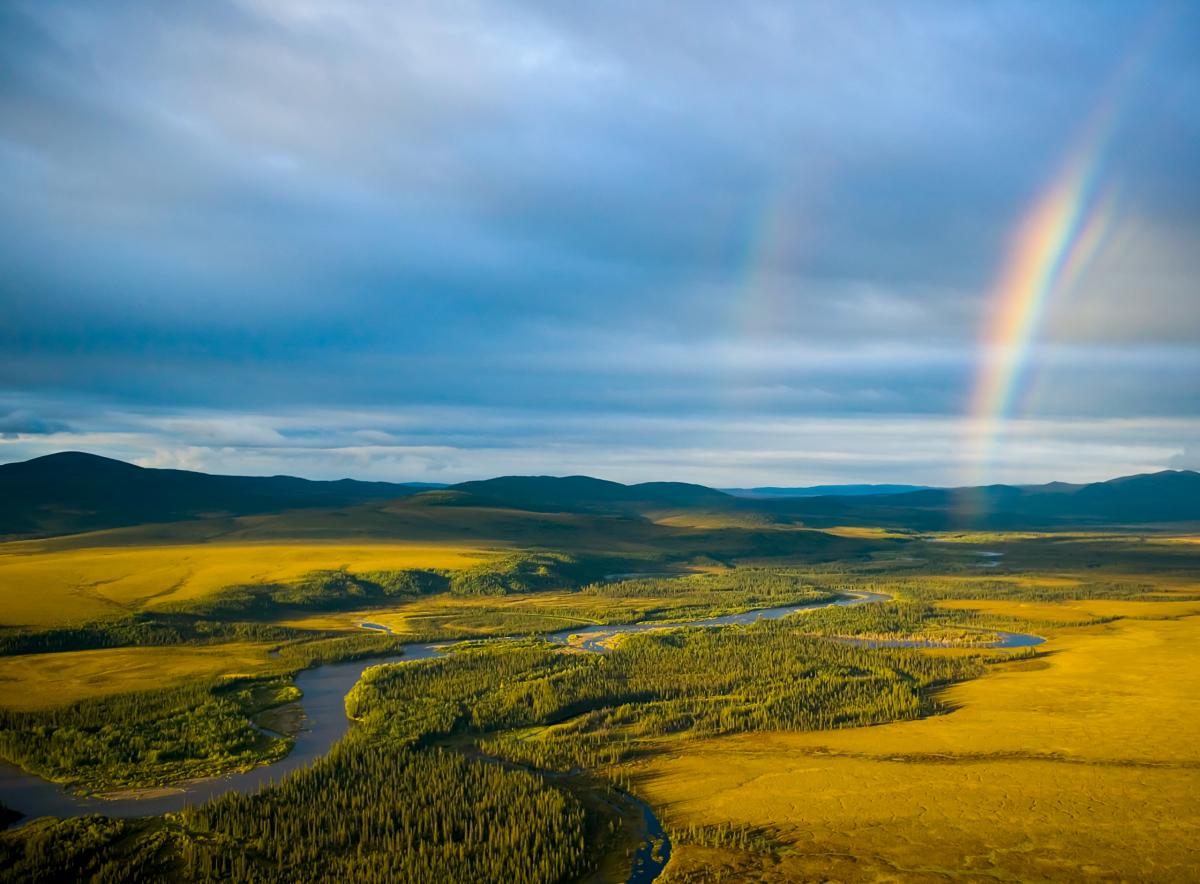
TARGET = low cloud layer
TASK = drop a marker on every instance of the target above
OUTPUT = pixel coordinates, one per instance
(740, 246)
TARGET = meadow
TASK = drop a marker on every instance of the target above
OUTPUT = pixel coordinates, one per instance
(129, 672)
(770, 752)
(666, 598)
(1082, 762)
(44, 586)
(40, 681)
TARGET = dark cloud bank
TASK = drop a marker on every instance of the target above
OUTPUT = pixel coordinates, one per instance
(439, 241)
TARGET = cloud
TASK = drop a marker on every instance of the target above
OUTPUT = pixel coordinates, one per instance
(449, 444)
(575, 214)
(1187, 459)
(21, 422)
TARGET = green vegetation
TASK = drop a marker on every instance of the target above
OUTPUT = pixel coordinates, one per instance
(319, 590)
(391, 804)
(711, 594)
(156, 737)
(694, 681)
(903, 621)
(500, 760)
(362, 814)
(698, 683)
(203, 728)
(141, 630)
(342, 590)
(89, 848)
(367, 813)
(666, 599)
(144, 739)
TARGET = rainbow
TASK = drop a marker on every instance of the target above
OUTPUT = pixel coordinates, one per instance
(1049, 250)
(1053, 244)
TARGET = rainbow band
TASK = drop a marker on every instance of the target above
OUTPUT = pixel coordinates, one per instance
(1041, 250)
(1054, 242)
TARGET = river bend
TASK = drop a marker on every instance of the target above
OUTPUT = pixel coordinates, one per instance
(324, 690)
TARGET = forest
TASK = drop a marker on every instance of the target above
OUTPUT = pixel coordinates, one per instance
(401, 796)
(154, 737)
(500, 758)
(149, 738)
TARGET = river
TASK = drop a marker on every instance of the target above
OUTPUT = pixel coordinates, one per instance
(324, 689)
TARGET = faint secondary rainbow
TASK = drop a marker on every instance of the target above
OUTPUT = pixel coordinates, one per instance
(1053, 244)
(1048, 242)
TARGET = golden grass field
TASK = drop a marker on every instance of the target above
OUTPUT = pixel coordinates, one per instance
(463, 612)
(405, 520)
(46, 587)
(1082, 765)
(36, 681)
(493, 615)
(1077, 610)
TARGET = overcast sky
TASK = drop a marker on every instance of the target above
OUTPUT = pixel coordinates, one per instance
(738, 244)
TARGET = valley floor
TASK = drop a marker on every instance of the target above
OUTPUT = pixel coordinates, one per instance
(1082, 765)
(137, 666)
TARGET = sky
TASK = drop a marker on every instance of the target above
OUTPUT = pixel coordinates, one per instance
(737, 244)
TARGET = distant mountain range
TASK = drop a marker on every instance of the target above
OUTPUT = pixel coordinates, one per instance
(824, 491)
(73, 492)
(1167, 496)
(582, 494)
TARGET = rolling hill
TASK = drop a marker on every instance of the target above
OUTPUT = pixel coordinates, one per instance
(823, 491)
(72, 491)
(1166, 496)
(583, 494)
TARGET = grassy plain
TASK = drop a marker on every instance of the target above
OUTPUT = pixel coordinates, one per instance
(42, 586)
(505, 615)
(1082, 764)
(99, 574)
(1077, 610)
(39, 681)
(517, 614)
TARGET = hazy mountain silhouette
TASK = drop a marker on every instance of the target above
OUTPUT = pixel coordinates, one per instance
(583, 494)
(1167, 496)
(823, 491)
(73, 491)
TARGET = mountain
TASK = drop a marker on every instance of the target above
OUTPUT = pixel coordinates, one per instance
(582, 494)
(823, 491)
(1170, 495)
(1167, 496)
(72, 491)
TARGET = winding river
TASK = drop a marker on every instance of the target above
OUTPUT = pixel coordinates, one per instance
(324, 689)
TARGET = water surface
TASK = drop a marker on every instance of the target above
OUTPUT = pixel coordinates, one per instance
(324, 689)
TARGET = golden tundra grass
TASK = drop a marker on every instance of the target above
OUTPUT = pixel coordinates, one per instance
(35, 681)
(44, 587)
(494, 615)
(504, 614)
(1082, 765)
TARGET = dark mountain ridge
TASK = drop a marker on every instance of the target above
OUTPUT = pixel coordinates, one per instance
(583, 494)
(1166, 496)
(823, 491)
(72, 491)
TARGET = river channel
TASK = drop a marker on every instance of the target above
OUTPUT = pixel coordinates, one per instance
(324, 690)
